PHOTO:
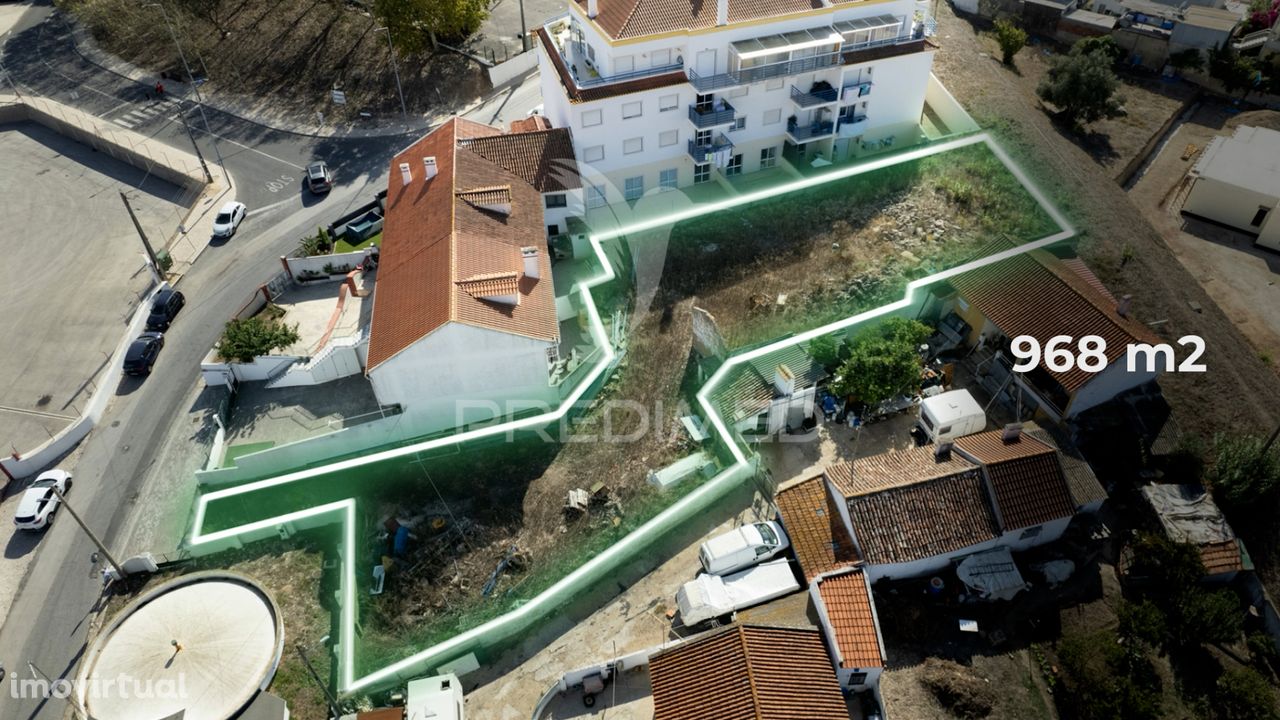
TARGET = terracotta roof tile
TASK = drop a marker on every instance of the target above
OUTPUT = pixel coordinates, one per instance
(496, 195)
(1036, 294)
(1027, 478)
(622, 19)
(1221, 557)
(1083, 483)
(893, 469)
(543, 159)
(847, 601)
(533, 123)
(491, 285)
(817, 531)
(747, 672)
(431, 239)
(600, 92)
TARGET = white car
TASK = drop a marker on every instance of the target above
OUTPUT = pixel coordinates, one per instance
(229, 218)
(742, 547)
(35, 510)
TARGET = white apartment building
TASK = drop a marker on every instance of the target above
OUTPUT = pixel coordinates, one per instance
(664, 93)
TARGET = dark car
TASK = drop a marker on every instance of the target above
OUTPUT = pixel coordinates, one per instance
(164, 308)
(319, 179)
(142, 353)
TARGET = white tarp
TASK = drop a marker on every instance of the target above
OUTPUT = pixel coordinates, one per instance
(992, 575)
(1188, 514)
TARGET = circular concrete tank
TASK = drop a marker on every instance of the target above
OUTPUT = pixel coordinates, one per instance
(203, 643)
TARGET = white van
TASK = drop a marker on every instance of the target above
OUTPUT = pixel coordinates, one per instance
(951, 415)
(742, 547)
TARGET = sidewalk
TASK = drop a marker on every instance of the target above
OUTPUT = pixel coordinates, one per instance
(250, 109)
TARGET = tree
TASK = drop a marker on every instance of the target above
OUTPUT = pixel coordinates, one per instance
(416, 24)
(1011, 38)
(1108, 679)
(1189, 59)
(244, 340)
(1244, 694)
(1243, 477)
(883, 361)
(1234, 71)
(1082, 85)
(1104, 44)
(825, 349)
(1192, 615)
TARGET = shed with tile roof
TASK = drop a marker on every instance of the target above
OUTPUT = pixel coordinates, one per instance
(847, 613)
(810, 514)
(747, 672)
(774, 392)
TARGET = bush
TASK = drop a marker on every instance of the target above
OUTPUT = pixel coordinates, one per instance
(1011, 38)
(956, 688)
(1243, 476)
(244, 340)
(1243, 694)
(1106, 679)
(883, 361)
(1082, 85)
(1192, 615)
(825, 350)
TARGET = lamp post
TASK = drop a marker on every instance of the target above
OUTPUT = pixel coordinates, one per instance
(194, 88)
(391, 48)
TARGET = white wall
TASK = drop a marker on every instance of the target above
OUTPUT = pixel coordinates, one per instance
(1229, 204)
(517, 66)
(338, 359)
(316, 263)
(459, 366)
(1107, 384)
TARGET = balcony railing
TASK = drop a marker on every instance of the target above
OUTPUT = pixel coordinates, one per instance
(813, 98)
(586, 82)
(852, 92)
(704, 153)
(743, 76)
(853, 127)
(721, 114)
(811, 131)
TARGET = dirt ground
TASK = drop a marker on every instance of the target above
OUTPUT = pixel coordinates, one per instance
(293, 52)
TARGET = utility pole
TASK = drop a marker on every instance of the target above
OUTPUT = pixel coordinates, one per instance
(146, 244)
(101, 548)
(524, 31)
(191, 81)
(208, 178)
(391, 48)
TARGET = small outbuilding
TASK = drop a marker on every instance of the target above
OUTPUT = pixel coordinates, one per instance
(1236, 182)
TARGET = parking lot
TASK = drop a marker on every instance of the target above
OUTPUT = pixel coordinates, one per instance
(76, 273)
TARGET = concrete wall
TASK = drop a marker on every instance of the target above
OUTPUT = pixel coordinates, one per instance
(459, 369)
(316, 263)
(1152, 50)
(948, 109)
(338, 359)
(262, 367)
(1235, 206)
(517, 66)
(1107, 384)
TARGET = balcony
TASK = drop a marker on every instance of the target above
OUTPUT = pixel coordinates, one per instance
(815, 97)
(854, 91)
(744, 76)
(853, 127)
(585, 78)
(705, 153)
(800, 134)
(722, 113)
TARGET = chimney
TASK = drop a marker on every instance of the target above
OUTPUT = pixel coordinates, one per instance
(429, 164)
(1012, 432)
(406, 176)
(784, 380)
(722, 12)
(942, 452)
(530, 255)
(1122, 307)
(593, 8)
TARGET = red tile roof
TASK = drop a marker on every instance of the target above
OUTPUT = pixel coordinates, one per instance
(599, 92)
(893, 469)
(533, 123)
(747, 672)
(432, 239)
(621, 19)
(1221, 557)
(1037, 294)
(847, 600)
(817, 531)
(542, 158)
(1026, 475)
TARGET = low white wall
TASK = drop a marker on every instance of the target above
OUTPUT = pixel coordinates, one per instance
(338, 359)
(316, 263)
(948, 108)
(515, 67)
(30, 463)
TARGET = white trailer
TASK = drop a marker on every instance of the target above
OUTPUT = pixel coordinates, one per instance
(712, 596)
(951, 415)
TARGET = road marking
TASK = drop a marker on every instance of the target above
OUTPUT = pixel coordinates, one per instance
(23, 411)
(122, 121)
(268, 208)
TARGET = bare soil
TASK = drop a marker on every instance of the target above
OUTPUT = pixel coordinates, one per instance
(285, 55)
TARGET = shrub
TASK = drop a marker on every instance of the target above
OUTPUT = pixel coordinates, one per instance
(1243, 694)
(825, 349)
(244, 340)
(1243, 476)
(957, 689)
(1106, 679)
(1192, 615)
(1011, 39)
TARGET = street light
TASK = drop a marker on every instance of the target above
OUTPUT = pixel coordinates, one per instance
(194, 88)
(391, 48)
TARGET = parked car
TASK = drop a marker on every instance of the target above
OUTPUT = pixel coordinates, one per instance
(228, 219)
(319, 178)
(164, 308)
(742, 547)
(38, 503)
(142, 353)
(708, 597)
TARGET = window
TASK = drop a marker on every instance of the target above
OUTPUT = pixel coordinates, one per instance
(624, 64)
(1259, 217)
(591, 117)
(668, 102)
(774, 84)
(633, 187)
(702, 103)
(553, 230)
(858, 678)
(734, 167)
(667, 138)
(557, 200)
(660, 58)
(667, 179)
(768, 157)
(772, 117)
(701, 173)
(632, 146)
(595, 196)
(738, 124)
(738, 91)
(703, 138)
(1031, 532)
(632, 110)
(591, 53)
(595, 153)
